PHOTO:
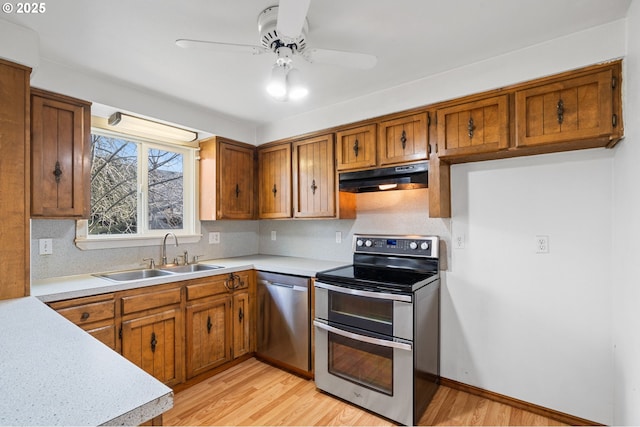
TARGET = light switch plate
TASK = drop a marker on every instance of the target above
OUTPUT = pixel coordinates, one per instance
(214, 237)
(46, 246)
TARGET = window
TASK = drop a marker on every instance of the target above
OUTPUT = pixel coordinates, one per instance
(140, 190)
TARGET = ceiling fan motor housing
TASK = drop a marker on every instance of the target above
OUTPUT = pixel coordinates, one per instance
(269, 37)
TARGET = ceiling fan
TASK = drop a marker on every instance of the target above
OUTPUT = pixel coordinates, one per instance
(283, 30)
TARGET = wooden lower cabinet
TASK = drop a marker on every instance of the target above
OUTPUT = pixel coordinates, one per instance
(153, 342)
(152, 331)
(95, 314)
(218, 320)
(174, 331)
(241, 322)
(208, 334)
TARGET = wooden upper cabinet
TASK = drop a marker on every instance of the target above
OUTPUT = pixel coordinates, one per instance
(314, 178)
(274, 182)
(60, 156)
(403, 140)
(474, 127)
(569, 109)
(227, 179)
(356, 148)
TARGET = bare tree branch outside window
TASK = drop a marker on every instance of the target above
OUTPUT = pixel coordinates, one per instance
(114, 187)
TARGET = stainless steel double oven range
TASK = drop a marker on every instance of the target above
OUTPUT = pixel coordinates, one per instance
(377, 326)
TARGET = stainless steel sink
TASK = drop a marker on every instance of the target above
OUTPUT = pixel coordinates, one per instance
(191, 268)
(148, 273)
(125, 276)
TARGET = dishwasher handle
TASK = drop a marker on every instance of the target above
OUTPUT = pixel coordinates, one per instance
(297, 288)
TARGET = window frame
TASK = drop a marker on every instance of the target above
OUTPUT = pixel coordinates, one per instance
(191, 231)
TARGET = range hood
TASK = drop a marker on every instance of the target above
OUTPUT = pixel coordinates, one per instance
(403, 177)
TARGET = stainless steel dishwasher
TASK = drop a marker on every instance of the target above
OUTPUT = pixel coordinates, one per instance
(283, 320)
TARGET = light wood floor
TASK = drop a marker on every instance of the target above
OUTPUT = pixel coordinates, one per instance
(254, 393)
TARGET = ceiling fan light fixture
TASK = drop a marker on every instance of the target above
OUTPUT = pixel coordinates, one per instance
(277, 86)
(295, 84)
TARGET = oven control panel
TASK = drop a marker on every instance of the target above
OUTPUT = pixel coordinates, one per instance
(426, 246)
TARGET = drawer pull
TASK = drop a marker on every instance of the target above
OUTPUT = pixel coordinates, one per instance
(209, 324)
(240, 315)
(154, 342)
(356, 148)
(85, 315)
(403, 139)
(471, 127)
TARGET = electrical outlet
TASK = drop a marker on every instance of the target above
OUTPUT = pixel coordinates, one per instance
(542, 244)
(458, 241)
(338, 236)
(46, 246)
(273, 235)
(214, 238)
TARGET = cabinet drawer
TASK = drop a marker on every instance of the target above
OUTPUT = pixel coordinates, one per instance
(86, 310)
(206, 288)
(146, 301)
(88, 313)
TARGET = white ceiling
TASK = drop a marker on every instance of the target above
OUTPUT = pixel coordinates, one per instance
(132, 41)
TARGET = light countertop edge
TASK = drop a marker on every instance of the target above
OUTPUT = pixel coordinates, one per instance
(57, 374)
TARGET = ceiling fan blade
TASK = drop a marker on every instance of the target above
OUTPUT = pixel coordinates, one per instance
(221, 47)
(292, 15)
(361, 61)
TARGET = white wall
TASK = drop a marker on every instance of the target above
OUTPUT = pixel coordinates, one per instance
(536, 327)
(626, 235)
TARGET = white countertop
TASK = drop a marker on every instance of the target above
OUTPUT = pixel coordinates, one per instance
(53, 373)
(60, 288)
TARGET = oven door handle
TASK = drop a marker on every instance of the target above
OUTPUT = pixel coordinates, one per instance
(357, 292)
(363, 338)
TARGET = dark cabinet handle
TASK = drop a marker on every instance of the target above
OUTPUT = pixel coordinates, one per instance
(274, 190)
(209, 324)
(314, 187)
(57, 172)
(470, 127)
(403, 139)
(237, 191)
(154, 342)
(356, 148)
(560, 111)
(85, 316)
(240, 315)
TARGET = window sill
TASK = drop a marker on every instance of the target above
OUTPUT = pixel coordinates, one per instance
(130, 242)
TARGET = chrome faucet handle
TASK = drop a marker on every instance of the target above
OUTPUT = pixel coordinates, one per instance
(196, 257)
(152, 262)
(185, 258)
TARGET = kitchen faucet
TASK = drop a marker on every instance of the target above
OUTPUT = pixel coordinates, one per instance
(164, 247)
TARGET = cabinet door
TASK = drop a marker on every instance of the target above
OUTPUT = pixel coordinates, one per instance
(356, 148)
(274, 165)
(314, 178)
(571, 109)
(60, 157)
(474, 127)
(241, 320)
(208, 334)
(403, 140)
(14, 190)
(236, 178)
(153, 343)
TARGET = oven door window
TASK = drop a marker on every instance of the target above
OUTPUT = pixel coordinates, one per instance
(362, 363)
(371, 314)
